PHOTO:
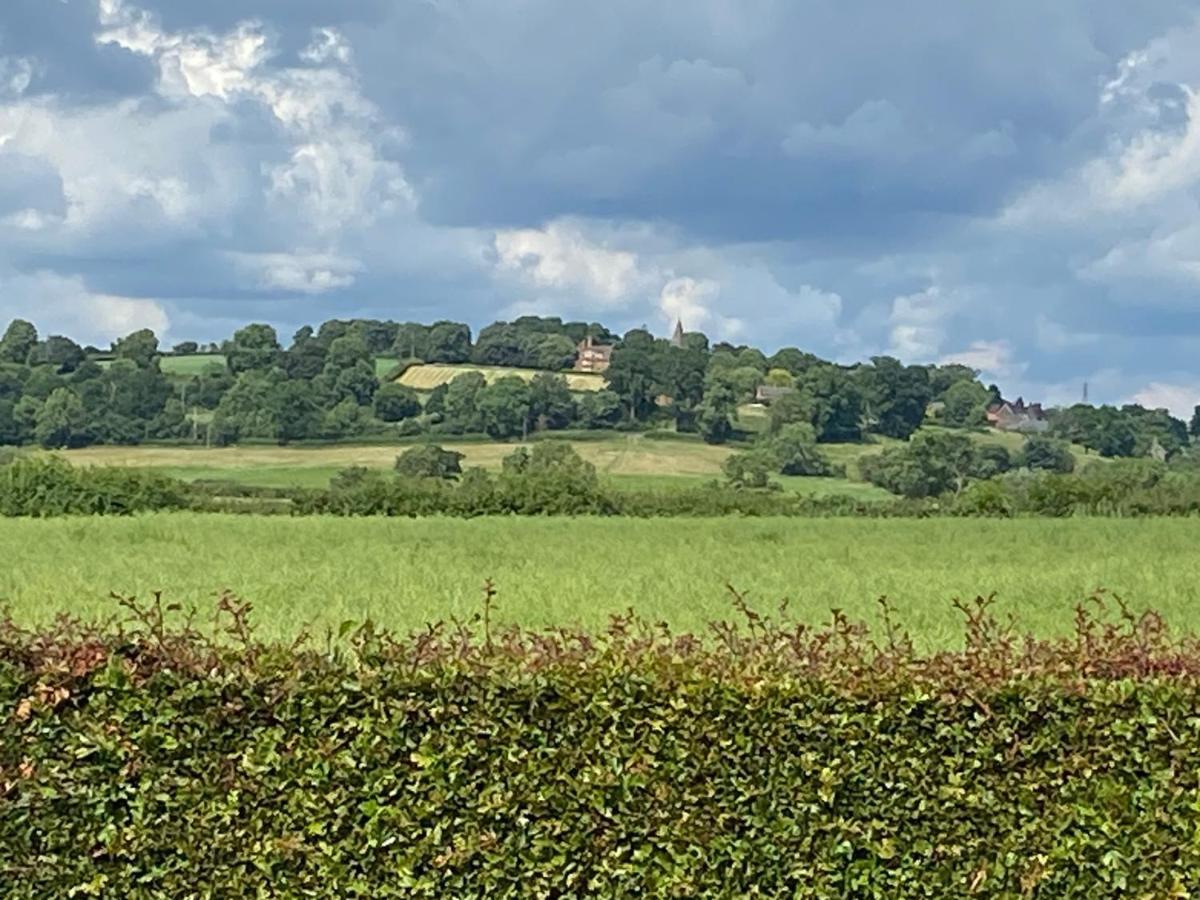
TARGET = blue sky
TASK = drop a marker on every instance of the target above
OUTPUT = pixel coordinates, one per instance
(1015, 186)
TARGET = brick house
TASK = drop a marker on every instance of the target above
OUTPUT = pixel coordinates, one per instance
(1019, 416)
(593, 357)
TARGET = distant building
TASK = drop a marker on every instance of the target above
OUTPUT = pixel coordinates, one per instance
(1017, 416)
(769, 393)
(677, 337)
(593, 357)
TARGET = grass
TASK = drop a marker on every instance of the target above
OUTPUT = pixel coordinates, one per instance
(186, 366)
(404, 573)
(429, 376)
(631, 460)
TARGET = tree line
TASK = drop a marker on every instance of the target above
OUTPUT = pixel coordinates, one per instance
(326, 384)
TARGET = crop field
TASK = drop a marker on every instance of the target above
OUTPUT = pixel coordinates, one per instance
(427, 377)
(186, 366)
(628, 461)
(404, 573)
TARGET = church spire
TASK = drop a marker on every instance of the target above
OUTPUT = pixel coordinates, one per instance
(677, 337)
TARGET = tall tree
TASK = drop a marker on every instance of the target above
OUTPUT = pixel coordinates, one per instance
(19, 340)
(140, 348)
(254, 348)
(61, 421)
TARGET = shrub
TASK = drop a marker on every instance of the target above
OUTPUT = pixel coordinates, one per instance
(775, 761)
(429, 461)
(1045, 453)
(49, 486)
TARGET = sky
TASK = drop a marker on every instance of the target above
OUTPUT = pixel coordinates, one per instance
(1013, 186)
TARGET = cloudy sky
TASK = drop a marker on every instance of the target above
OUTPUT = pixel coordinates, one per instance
(1015, 185)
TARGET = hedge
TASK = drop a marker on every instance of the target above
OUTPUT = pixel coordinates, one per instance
(768, 760)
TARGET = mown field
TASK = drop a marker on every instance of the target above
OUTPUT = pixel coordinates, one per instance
(429, 376)
(629, 461)
(404, 573)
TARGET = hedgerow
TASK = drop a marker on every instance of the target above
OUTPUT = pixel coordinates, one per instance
(762, 759)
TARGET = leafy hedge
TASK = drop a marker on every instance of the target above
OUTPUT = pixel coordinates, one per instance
(768, 760)
(42, 487)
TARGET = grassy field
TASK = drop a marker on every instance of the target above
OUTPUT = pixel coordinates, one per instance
(427, 377)
(406, 572)
(629, 461)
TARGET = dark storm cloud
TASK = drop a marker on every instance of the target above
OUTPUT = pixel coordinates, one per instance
(854, 177)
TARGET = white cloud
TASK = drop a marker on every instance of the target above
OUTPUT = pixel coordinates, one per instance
(995, 359)
(918, 323)
(327, 44)
(64, 305)
(560, 256)
(691, 301)
(335, 176)
(313, 273)
(1179, 399)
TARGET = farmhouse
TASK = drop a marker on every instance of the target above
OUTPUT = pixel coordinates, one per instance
(593, 357)
(1019, 416)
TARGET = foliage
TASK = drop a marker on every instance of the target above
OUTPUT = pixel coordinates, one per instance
(140, 348)
(20, 337)
(395, 403)
(1046, 453)
(429, 461)
(933, 463)
(750, 470)
(41, 487)
(474, 761)
(965, 404)
(795, 452)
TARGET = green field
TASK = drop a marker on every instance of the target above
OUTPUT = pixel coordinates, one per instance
(630, 461)
(429, 376)
(407, 572)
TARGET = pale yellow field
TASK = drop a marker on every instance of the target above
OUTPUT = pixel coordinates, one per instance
(429, 376)
(618, 455)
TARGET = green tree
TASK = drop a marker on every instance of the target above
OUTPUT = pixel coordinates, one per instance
(749, 470)
(394, 402)
(347, 352)
(932, 463)
(716, 413)
(429, 461)
(357, 383)
(246, 410)
(1046, 453)
(632, 377)
(18, 342)
(552, 352)
(448, 342)
(896, 396)
(796, 453)
(254, 348)
(61, 421)
(461, 403)
(504, 407)
(966, 402)
(600, 409)
(346, 419)
(550, 403)
(295, 410)
(59, 352)
(411, 341)
(140, 348)
(1194, 425)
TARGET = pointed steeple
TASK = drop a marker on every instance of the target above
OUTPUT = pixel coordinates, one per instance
(677, 337)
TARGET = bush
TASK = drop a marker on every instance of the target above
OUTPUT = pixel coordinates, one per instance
(1045, 453)
(429, 461)
(777, 761)
(49, 486)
